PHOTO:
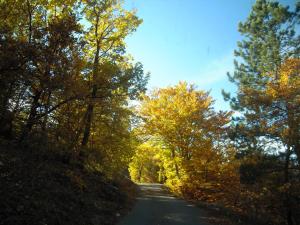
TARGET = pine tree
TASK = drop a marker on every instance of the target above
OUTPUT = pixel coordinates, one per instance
(267, 76)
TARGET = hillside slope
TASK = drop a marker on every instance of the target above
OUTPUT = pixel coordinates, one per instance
(40, 188)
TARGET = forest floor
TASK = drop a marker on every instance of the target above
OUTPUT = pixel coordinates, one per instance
(157, 206)
(42, 188)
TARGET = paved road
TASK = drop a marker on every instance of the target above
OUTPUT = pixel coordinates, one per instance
(155, 206)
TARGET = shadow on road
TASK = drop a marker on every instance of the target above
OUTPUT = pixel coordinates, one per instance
(156, 206)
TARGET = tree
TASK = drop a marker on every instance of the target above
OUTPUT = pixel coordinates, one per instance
(270, 44)
(190, 134)
(56, 62)
(66, 80)
(109, 25)
(267, 76)
(47, 49)
(145, 164)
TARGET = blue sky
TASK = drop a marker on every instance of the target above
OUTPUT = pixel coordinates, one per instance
(191, 40)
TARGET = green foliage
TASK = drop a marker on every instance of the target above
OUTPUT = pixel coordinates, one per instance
(267, 59)
(267, 132)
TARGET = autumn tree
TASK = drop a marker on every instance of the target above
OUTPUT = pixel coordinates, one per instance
(191, 135)
(146, 164)
(66, 80)
(109, 25)
(267, 76)
(47, 48)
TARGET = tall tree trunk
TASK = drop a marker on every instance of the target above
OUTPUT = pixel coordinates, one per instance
(5, 99)
(296, 139)
(90, 108)
(29, 124)
(175, 164)
(32, 116)
(140, 173)
(294, 129)
(287, 193)
(45, 121)
(6, 116)
(29, 11)
(297, 151)
(89, 117)
(290, 140)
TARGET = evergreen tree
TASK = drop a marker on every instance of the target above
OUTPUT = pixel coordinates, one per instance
(267, 76)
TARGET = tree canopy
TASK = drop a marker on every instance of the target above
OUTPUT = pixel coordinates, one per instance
(67, 84)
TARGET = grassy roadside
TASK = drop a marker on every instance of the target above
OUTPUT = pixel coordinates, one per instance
(39, 188)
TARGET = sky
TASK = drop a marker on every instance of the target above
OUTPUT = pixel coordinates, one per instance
(189, 40)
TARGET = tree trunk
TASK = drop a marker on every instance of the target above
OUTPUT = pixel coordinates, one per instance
(89, 117)
(32, 116)
(5, 100)
(297, 152)
(287, 194)
(140, 174)
(6, 116)
(29, 11)
(90, 108)
(175, 164)
(45, 121)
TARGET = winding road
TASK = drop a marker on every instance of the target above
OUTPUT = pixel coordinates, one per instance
(155, 206)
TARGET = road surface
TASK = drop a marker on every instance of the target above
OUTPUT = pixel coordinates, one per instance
(155, 206)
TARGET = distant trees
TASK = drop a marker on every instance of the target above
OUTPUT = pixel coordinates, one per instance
(145, 166)
(65, 77)
(189, 138)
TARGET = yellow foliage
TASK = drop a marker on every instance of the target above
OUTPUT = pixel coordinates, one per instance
(285, 84)
(144, 166)
(188, 131)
